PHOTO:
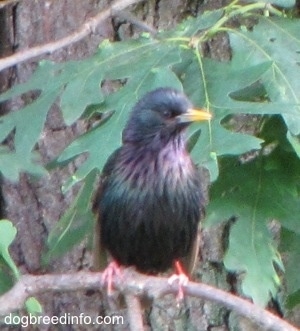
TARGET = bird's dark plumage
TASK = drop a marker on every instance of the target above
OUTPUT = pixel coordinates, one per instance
(149, 201)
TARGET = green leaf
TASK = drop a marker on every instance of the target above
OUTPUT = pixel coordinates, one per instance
(78, 83)
(33, 306)
(112, 61)
(279, 3)
(101, 141)
(256, 192)
(291, 248)
(41, 79)
(209, 84)
(11, 164)
(29, 121)
(252, 253)
(277, 40)
(7, 235)
(191, 26)
(6, 276)
(293, 300)
(75, 224)
(28, 125)
(295, 142)
(81, 92)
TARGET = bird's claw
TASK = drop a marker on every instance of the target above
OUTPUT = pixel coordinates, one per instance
(111, 271)
(182, 281)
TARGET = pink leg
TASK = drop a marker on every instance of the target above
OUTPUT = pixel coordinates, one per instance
(181, 278)
(111, 271)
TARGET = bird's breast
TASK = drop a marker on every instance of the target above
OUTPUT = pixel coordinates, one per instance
(147, 170)
(150, 208)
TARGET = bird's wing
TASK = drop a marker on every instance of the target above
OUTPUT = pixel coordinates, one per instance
(99, 253)
(189, 262)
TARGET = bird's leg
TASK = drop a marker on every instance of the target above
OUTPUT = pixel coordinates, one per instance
(112, 270)
(182, 279)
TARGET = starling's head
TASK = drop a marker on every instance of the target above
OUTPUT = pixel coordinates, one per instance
(162, 114)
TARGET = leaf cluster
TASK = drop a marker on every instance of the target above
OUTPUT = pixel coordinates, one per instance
(261, 81)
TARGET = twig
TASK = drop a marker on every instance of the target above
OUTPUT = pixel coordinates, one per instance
(128, 17)
(133, 283)
(88, 27)
(135, 313)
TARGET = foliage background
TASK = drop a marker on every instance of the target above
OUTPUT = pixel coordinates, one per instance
(258, 88)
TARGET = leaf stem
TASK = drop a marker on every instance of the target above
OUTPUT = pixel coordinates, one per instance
(233, 10)
(230, 11)
(207, 102)
(185, 39)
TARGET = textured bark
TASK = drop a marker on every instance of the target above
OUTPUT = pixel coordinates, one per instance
(36, 205)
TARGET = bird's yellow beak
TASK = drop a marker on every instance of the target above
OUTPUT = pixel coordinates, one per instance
(194, 115)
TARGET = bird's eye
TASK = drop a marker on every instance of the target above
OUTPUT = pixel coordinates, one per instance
(167, 113)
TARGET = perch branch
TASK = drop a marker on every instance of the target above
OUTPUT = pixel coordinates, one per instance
(135, 284)
(88, 27)
(135, 312)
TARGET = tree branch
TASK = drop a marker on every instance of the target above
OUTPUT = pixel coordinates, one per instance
(88, 27)
(135, 284)
(135, 312)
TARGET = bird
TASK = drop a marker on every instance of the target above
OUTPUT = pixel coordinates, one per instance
(149, 201)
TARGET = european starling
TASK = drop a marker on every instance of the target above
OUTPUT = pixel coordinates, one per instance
(149, 201)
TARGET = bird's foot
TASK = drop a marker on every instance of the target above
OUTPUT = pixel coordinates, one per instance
(182, 281)
(111, 271)
(181, 278)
